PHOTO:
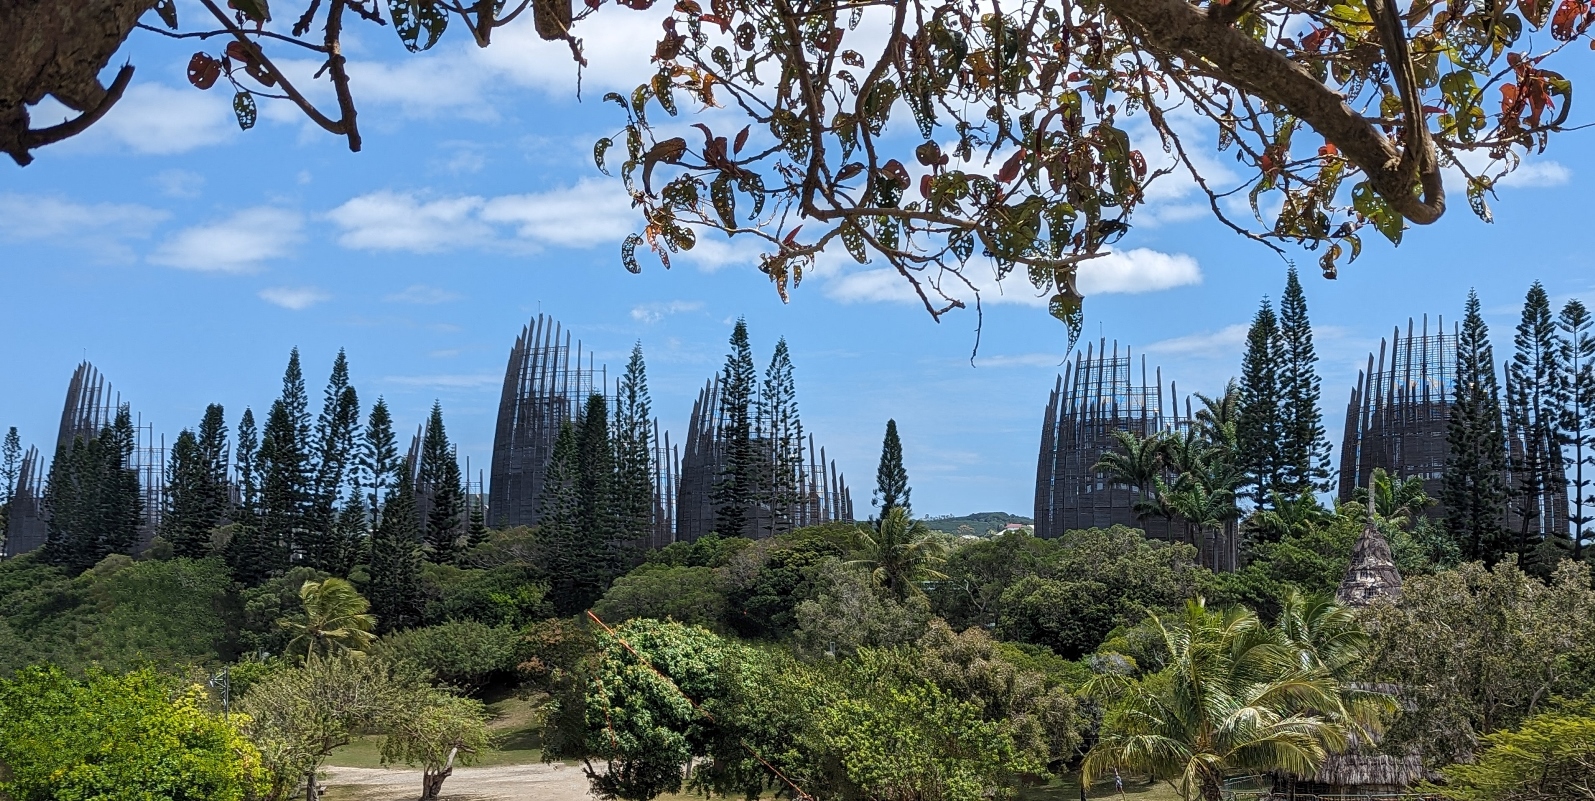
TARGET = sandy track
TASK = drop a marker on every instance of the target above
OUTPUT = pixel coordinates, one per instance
(537, 782)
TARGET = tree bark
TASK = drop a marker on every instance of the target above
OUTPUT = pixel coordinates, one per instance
(1213, 48)
(432, 781)
(58, 48)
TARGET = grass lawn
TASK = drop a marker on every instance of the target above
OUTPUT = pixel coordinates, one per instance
(515, 722)
(1067, 788)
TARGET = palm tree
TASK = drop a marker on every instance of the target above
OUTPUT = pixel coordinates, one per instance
(1218, 417)
(1287, 518)
(1136, 463)
(335, 620)
(1395, 500)
(900, 553)
(1231, 695)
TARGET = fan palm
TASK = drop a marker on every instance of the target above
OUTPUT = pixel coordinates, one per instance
(1231, 696)
(899, 553)
(334, 620)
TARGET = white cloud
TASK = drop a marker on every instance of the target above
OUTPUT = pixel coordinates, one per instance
(451, 381)
(1138, 270)
(1134, 271)
(422, 295)
(1223, 342)
(296, 298)
(239, 244)
(654, 312)
(179, 183)
(1536, 174)
(100, 228)
(399, 221)
(158, 119)
(592, 212)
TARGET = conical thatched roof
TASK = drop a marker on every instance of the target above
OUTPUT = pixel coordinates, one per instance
(1373, 572)
(1370, 770)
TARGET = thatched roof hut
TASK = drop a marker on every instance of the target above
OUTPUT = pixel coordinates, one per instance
(1372, 573)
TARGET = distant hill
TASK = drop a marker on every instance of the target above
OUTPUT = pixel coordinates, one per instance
(979, 523)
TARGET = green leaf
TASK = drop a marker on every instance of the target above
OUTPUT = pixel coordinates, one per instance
(599, 148)
(411, 18)
(1369, 204)
(253, 10)
(244, 107)
(1071, 310)
(853, 239)
(724, 199)
(1477, 186)
(628, 253)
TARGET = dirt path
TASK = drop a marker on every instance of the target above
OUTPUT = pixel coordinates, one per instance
(537, 782)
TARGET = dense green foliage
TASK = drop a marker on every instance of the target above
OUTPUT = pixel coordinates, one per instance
(119, 738)
(1551, 757)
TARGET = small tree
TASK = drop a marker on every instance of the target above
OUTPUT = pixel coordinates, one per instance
(1551, 757)
(437, 730)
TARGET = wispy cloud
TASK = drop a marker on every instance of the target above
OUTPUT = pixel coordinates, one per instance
(1131, 271)
(446, 381)
(587, 214)
(1226, 341)
(654, 312)
(102, 229)
(241, 243)
(401, 221)
(1536, 174)
(296, 298)
(422, 295)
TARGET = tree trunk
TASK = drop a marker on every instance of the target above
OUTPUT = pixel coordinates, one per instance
(57, 48)
(311, 794)
(432, 780)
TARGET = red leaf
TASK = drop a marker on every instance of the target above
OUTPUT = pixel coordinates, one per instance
(742, 139)
(203, 71)
(791, 235)
(725, 24)
(689, 7)
(1010, 168)
(924, 186)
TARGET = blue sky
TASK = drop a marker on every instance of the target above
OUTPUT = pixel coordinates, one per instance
(185, 257)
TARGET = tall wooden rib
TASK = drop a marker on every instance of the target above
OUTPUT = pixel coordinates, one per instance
(1098, 394)
(26, 526)
(543, 389)
(821, 494)
(1400, 410)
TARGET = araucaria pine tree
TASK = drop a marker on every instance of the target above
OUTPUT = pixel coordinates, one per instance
(1578, 420)
(248, 464)
(196, 487)
(330, 538)
(595, 470)
(286, 474)
(439, 481)
(1535, 397)
(93, 498)
(780, 435)
(1473, 488)
(891, 478)
(559, 541)
(395, 587)
(1258, 426)
(10, 467)
(736, 488)
(379, 458)
(1303, 444)
(634, 481)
